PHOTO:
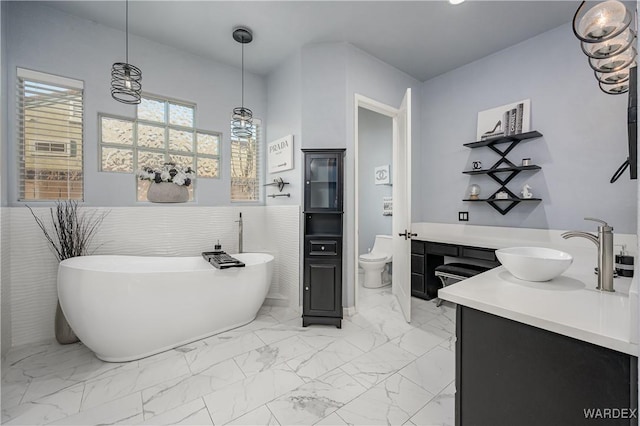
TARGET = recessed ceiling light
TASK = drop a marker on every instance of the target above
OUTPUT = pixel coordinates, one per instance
(456, 1)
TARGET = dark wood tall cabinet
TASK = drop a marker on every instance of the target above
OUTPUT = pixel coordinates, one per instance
(323, 218)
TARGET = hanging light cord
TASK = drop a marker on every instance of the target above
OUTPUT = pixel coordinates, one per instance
(126, 79)
(126, 31)
(242, 99)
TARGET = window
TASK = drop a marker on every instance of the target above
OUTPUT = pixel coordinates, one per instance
(245, 166)
(50, 111)
(164, 131)
(51, 148)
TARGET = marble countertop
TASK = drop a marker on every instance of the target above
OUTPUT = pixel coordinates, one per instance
(569, 304)
(497, 237)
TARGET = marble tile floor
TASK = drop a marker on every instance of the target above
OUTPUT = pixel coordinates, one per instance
(377, 369)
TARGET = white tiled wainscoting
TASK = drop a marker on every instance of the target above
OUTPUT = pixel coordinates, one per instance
(30, 268)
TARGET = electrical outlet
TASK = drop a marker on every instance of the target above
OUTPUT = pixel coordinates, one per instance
(463, 216)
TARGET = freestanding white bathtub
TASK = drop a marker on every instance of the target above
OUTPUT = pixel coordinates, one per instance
(128, 307)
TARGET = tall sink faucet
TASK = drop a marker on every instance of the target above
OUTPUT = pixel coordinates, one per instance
(604, 242)
(239, 222)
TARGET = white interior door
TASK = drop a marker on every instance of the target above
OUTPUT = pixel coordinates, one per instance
(401, 284)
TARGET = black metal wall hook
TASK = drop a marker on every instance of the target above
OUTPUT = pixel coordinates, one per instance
(279, 182)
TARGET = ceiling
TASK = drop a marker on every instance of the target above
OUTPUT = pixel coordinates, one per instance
(422, 38)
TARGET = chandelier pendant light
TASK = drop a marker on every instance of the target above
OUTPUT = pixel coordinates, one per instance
(242, 118)
(607, 38)
(126, 79)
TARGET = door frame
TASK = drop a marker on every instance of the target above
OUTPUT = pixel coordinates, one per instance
(361, 101)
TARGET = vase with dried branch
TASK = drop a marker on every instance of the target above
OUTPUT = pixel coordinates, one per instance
(69, 234)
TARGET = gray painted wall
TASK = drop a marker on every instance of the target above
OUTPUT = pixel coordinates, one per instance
(328, 117)
(369, 76)
(3, 104)
(584, 139)
(324, 92)
(284, 108)
(375, 148)
(47, 40)
(5, 288)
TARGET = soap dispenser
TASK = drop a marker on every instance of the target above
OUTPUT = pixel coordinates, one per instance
(217, 248)
(624, 263)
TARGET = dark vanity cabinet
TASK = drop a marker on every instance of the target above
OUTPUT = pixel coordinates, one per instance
(424, 284)
(510, 373)
(323, 226)
(426, 256)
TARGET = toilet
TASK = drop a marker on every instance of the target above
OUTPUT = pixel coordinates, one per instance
(376, 263)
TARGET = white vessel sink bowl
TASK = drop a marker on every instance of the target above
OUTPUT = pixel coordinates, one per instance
(534, 263)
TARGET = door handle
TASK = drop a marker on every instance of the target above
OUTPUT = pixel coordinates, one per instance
(407, 235)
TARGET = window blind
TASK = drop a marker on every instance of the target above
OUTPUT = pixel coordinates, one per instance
(49, 123)
(246, 166)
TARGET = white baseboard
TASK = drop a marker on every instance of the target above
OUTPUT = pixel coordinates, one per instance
(349, 311)
(276, 301)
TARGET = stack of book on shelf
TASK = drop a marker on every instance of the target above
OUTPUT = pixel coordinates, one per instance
(511, 123)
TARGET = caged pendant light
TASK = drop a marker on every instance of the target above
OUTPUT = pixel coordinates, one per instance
(607, 38)
(242, 118)
(126, 79)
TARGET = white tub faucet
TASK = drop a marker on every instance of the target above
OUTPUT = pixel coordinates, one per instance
(239, 222)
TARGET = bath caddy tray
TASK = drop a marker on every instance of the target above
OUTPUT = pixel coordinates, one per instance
(221, 260)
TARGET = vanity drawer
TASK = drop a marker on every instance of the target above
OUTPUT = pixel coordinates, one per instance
(442, 249)
(323, 247)
(478, 253)
(417, 247)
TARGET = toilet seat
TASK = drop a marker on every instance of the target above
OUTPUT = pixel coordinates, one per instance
(369, 257)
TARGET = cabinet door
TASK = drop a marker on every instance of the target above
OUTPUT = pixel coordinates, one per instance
(323, 288)
(417, 286)
(323, 181)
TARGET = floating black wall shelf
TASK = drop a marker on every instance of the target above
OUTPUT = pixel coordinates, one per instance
(505, 168)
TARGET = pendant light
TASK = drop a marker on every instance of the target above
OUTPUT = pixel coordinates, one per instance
(126, 79)
(242, 119)
(595, 22)
(607, 38)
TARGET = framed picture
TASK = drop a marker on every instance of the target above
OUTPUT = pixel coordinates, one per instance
(280, 154)
(505, 120)
(387, 206)
(382, 175)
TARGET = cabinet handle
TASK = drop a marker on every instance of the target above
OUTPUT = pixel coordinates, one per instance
(306, 288)
(307, 182)
(322, 248)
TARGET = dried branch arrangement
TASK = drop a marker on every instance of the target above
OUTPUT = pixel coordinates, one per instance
(73, 229)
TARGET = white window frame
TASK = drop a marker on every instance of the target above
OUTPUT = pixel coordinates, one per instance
(75, 119)
(134, 147)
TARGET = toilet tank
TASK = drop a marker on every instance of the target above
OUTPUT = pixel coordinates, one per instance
(383, 245)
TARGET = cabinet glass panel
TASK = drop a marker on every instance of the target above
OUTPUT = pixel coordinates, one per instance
(323, 176)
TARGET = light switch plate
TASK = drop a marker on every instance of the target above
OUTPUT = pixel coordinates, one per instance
(463, 216)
